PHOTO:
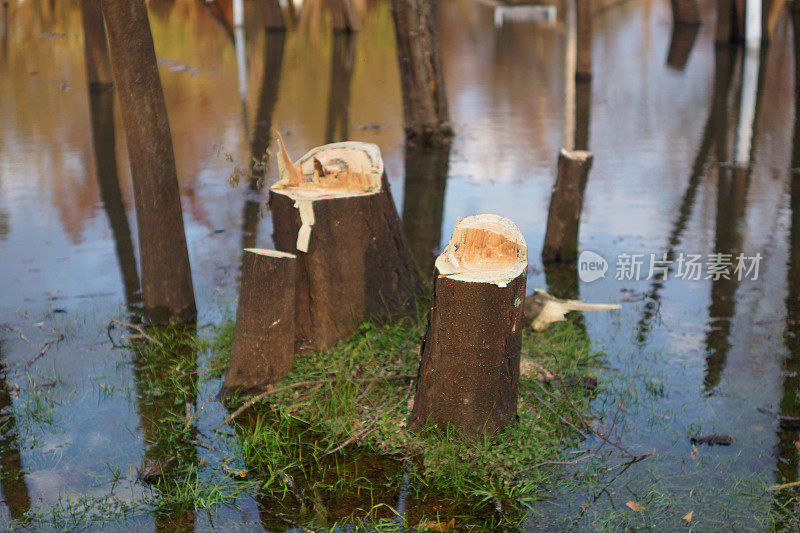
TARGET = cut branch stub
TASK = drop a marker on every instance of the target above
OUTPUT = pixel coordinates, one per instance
(469, 368)
(263, 341)
(334, 209)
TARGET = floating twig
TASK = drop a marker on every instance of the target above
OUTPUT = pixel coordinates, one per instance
(139, 329)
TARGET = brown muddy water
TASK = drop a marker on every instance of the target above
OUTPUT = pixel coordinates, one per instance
(694, 146)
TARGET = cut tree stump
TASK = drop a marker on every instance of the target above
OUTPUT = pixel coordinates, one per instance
(566, 204)
(333, 208)
(263, 341)
(469, 369)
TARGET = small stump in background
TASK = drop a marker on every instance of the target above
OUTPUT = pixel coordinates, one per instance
(263, 341)
(334, 210)
(469, 368)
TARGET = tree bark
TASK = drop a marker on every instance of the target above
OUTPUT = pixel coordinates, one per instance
(420, 58)
(95, 47)
(167, 288)
(685, 12)
(353, 260)
(583, 65)
(681, 44)
(263, 341)
(566, 204)
(273, 16)
(469, 370)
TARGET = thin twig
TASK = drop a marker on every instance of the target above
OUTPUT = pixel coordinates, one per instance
(369, 427)
(139, 329)
(784, 486)
(191, 419)
(614, 422)
(299, 385)
(36, 357)
(552, 410)
(545, 463)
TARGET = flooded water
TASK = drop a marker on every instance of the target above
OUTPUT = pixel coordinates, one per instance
(695, 150)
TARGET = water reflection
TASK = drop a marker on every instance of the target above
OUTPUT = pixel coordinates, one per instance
(12, 477)
(166, 392)
(342, 60)
(423, 201)
(681, 44)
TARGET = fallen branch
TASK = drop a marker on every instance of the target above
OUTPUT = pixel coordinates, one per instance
(298, 385)
(783, 486)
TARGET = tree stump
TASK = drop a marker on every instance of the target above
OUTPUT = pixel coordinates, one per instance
(566, 204)
(469, 369)
(263, 341)
(333, 208)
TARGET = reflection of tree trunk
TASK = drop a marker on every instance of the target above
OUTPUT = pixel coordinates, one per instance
(273, 16)
(420, 57)
(583, 24)
(583, 110)
(95, 48)
(166, 382)
(787, 454)
(12, 480)
(4, 27)
(727, 27)
(681, 44)
(102, 114)
(270, 83)
(717, 120)
(685, 12)
(732, 186)
(423, 202)
(342, 61)
(166, 275)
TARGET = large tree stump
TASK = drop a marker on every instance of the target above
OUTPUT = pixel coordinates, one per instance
(263, 341)
(566, 204)
(469, 369)
(334, 210)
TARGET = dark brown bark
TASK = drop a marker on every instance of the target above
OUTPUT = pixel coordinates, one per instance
(101, 106)
(95, 47)
(583, 65)
(358, 266)
(727, 29)
(681, 44)
(685, 12)
(423, 201)
(273, 16)
(263, 342)
(566, 204)
(167, 288)
(343, 16)
(583, 113)
(420, 58)
(470, 354)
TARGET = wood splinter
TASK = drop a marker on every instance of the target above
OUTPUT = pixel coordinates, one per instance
(262, 352)
(333, 208)
(542, 309)
(470, 354)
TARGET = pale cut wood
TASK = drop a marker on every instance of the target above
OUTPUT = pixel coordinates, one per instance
(541, 309)
(262, 352)
(470, 354)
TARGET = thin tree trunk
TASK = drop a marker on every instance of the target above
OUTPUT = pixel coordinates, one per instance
(685, 12)
(273, 16)
(166, 275)
(420, 58)
(95, 47)
(566, 204)
(470, 354)
(727, 29)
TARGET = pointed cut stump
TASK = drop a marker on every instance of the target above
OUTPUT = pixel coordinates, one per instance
(263, 341)
(334, 210)
(566, 204)
(469, 368)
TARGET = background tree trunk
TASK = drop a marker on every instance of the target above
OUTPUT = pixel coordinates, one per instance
(566, 204)
(583, 14)
(95, 47)
(469, 369)
(420, 58)
(167, 288)
(685, 12)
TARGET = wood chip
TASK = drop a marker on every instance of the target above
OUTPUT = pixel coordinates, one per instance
(688, 516)
(635, 506)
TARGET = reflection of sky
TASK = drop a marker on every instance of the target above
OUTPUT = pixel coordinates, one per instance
(506, 97)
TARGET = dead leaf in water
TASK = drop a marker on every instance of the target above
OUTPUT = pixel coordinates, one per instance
(434, 525)
(688, 516)
(635, 506)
